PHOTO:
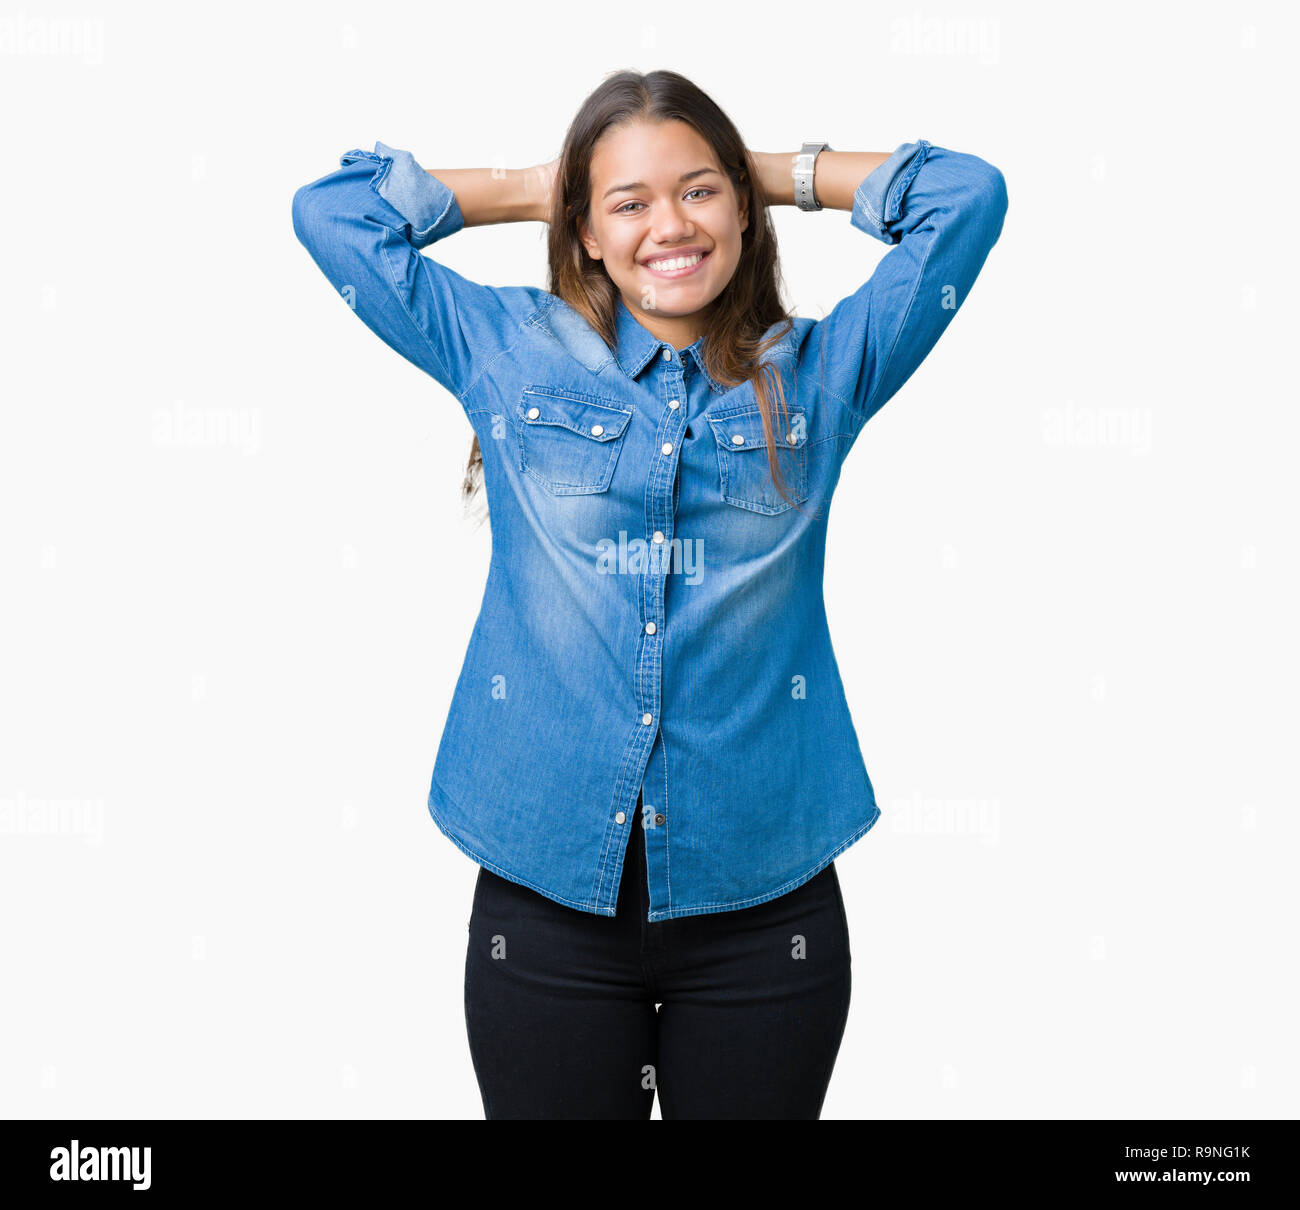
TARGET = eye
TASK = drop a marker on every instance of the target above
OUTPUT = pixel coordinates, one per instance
(704, 189)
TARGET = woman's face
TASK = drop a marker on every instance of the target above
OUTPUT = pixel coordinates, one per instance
(664, 218)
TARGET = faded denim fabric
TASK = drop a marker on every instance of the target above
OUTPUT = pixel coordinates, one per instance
(653, 619)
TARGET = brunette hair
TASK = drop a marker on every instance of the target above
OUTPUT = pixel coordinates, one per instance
(749, 304)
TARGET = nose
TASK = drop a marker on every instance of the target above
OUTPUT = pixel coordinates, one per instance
(671, 226)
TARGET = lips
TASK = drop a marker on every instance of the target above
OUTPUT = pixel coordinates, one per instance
(679, 264)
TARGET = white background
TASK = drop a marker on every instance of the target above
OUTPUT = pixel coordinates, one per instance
(1061, 560)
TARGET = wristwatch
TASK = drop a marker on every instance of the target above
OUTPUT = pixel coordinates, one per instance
(804, 165)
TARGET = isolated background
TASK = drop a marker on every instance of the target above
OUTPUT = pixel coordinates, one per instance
(237, 583)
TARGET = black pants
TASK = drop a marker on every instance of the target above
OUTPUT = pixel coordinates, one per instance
(560, 1004)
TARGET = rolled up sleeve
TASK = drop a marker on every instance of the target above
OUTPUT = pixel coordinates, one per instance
(364, 226)
(428, 206)
(941, 211)
(878, 201)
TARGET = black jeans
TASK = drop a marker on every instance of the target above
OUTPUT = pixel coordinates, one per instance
(560, 1004)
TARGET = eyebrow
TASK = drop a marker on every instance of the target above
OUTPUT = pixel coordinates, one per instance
(686, 176)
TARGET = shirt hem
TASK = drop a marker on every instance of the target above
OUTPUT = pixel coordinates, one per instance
(653, 917)
(446, 829)
(794, 884)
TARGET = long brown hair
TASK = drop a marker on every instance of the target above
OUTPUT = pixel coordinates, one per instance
(749, 304)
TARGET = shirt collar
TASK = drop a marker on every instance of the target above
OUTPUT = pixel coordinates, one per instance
(637, 345)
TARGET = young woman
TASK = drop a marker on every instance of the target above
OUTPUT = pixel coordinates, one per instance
(649, 753)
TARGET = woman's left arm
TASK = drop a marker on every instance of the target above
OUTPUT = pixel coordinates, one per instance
(836, 177)
(942, 211)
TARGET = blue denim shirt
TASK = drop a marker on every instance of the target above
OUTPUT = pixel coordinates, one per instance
(652, 625)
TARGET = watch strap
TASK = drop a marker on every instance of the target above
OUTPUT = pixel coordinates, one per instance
(805, 165)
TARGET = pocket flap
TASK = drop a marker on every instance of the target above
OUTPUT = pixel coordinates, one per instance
(744, 430)
(575, 412)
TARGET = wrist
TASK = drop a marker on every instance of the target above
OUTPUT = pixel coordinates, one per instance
(775, 176)
(532, 195)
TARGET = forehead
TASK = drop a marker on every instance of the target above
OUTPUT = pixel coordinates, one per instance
(643, 150)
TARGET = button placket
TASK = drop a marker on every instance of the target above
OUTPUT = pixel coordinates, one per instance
(661, 522)
(659, 499)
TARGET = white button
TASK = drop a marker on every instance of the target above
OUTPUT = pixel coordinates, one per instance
(791, 438)
(647, 719)
(650, 628)
(737, 439)
(674, 404)
(667, 447)
(620, 818)
(658, 535)
(668, 354)
(597, 429)
(533, 413)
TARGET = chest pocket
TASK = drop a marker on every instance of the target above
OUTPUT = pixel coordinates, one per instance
(743, 472)
(568, 441)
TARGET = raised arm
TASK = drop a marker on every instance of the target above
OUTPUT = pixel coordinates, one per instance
(943, 210)
(838, 175)
(364, 226)
(500, 195)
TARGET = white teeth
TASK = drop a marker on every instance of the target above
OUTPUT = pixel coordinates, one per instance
(678, 262)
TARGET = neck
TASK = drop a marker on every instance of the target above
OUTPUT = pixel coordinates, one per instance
(680, 331)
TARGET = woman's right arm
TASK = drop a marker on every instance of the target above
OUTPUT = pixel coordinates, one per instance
(365, 225)
(941, 211)
(500, 195)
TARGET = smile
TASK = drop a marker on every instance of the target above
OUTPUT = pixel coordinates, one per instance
(677, 266)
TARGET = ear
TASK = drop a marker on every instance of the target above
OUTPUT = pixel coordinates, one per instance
(744, 203)
(589, 240)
